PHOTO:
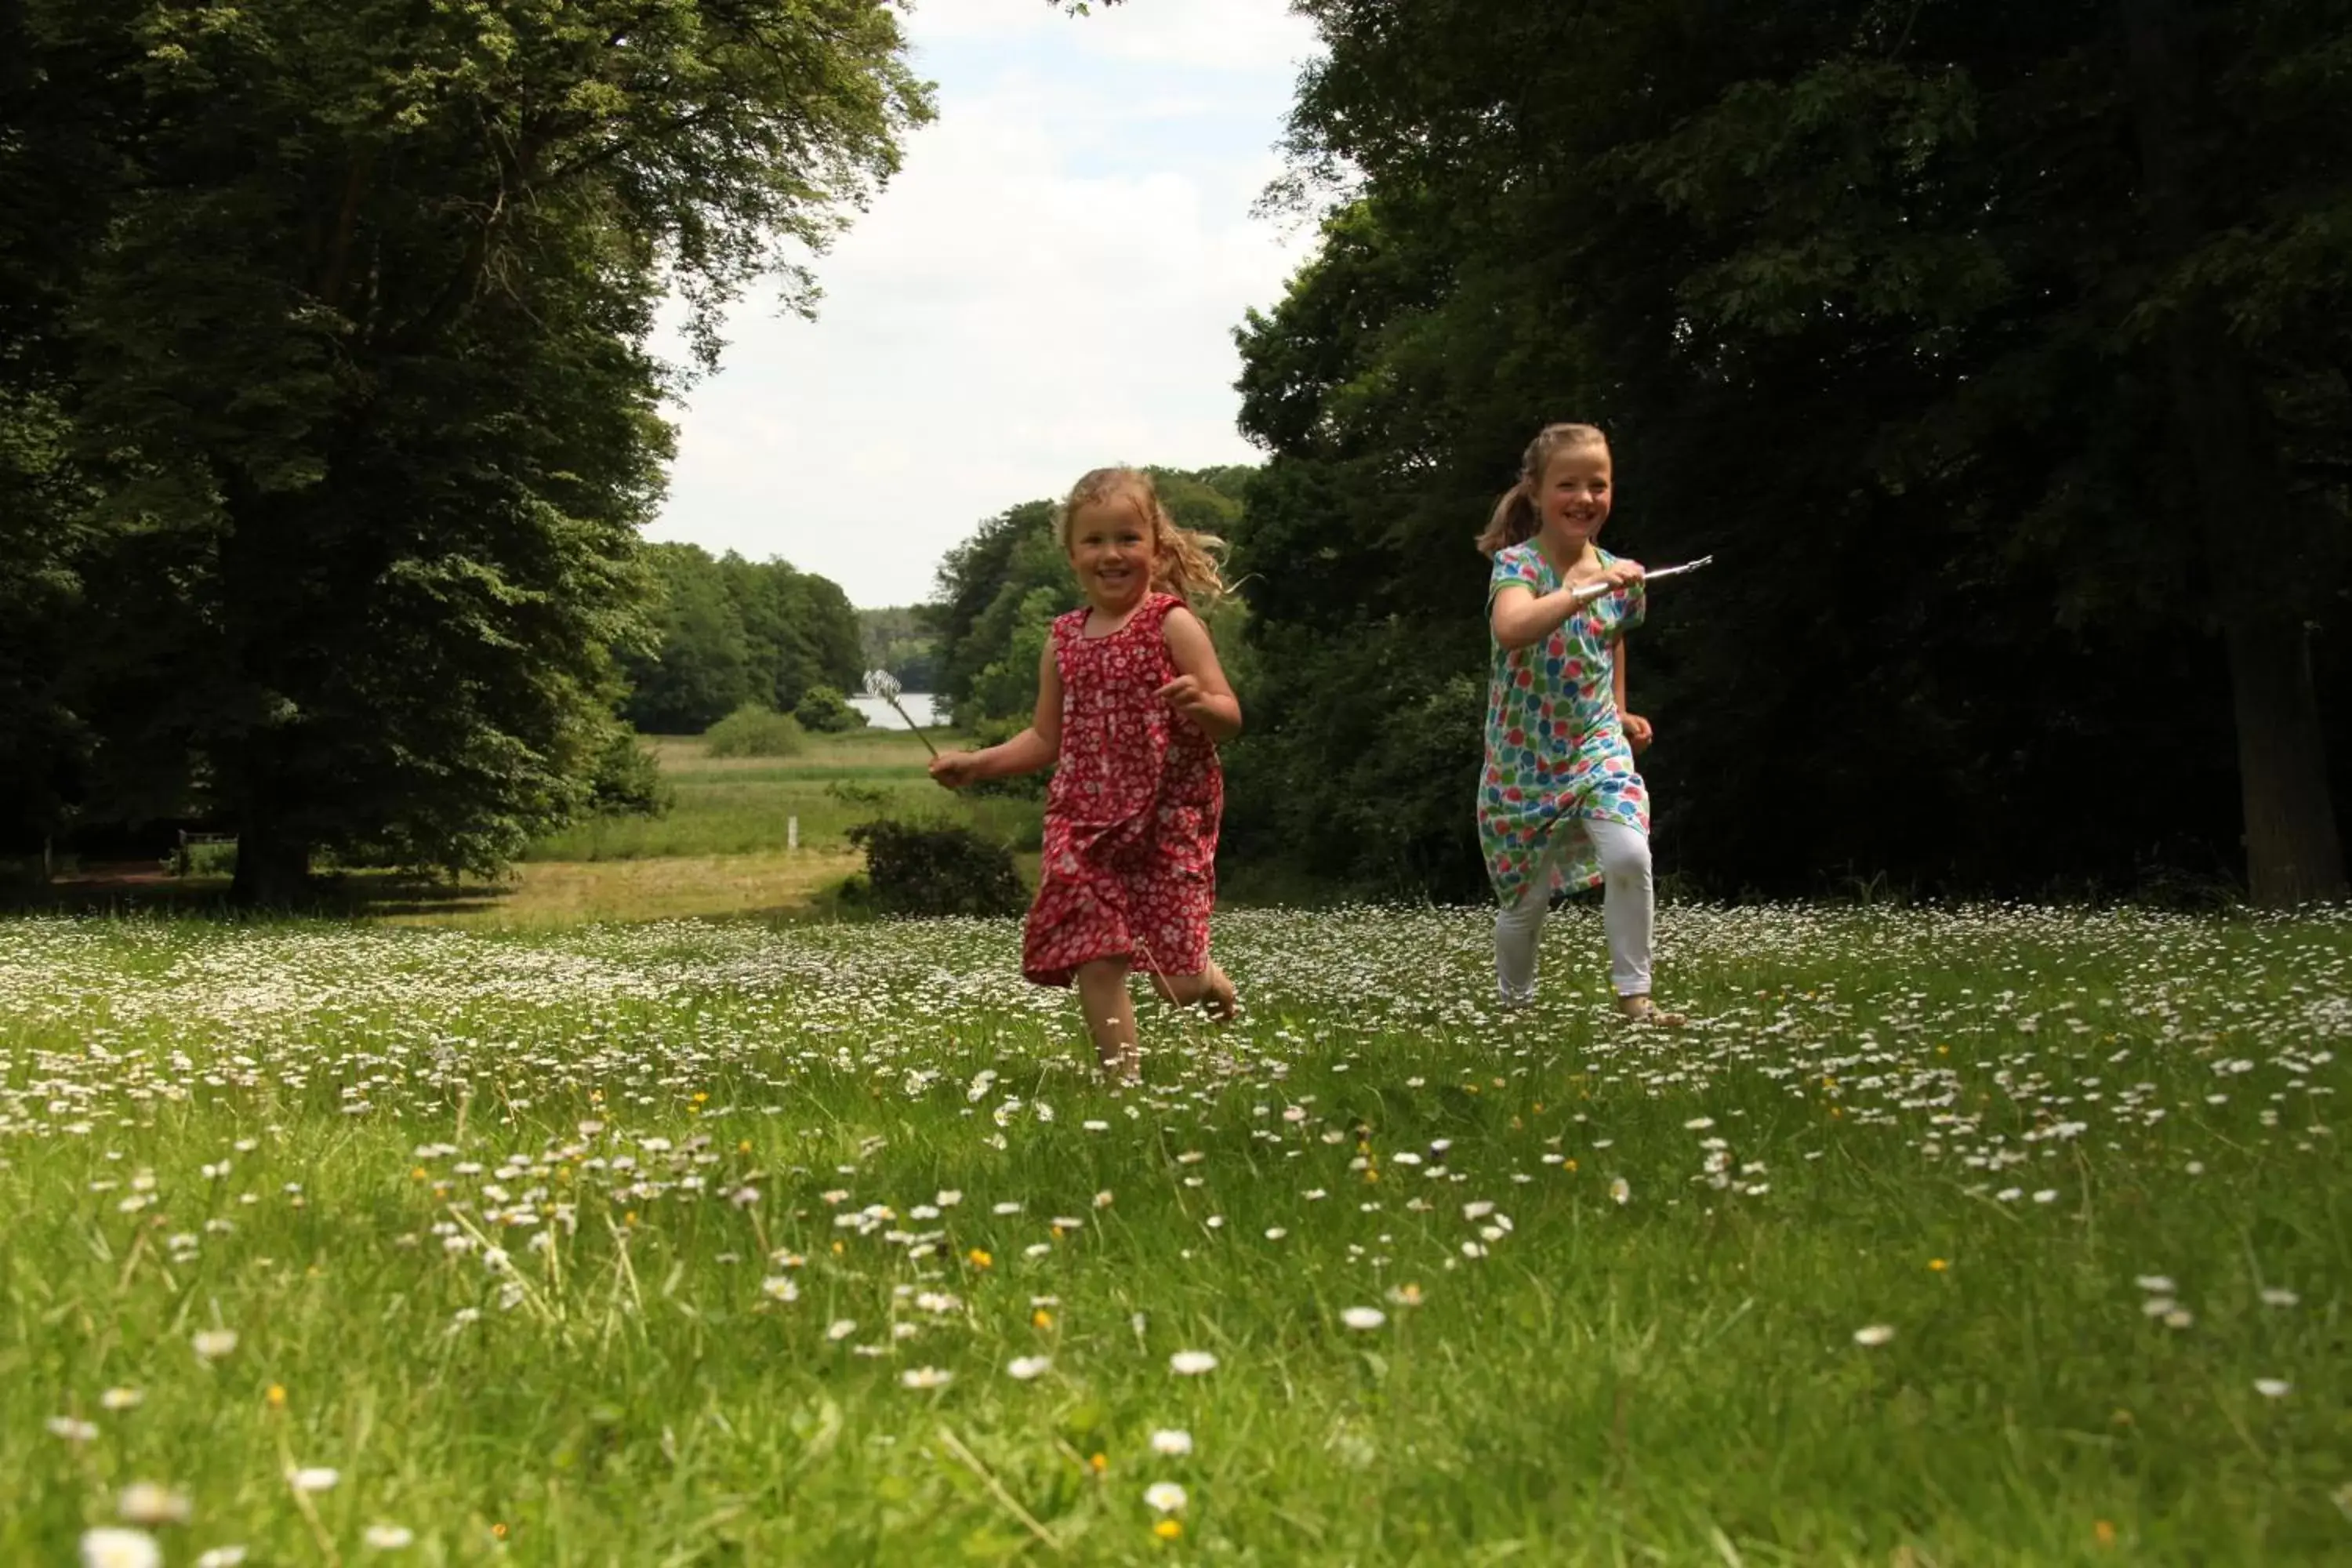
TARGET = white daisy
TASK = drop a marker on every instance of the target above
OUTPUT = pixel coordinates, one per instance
(115, 1548)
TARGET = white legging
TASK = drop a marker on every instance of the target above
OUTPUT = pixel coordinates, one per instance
(1625, 909)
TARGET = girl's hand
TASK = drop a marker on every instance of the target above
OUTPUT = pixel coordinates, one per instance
(1625, 574)
(1189, 696)
(1638, 731)
(956, 769)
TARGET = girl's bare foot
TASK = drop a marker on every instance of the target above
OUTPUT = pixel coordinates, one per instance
(1219, 998)
(1641, 1010)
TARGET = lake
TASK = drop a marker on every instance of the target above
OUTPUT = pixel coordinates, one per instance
(920, 705)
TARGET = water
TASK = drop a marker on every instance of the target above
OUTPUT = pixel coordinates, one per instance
(920, 705)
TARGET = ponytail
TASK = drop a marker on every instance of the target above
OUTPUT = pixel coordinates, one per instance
(1515, 518)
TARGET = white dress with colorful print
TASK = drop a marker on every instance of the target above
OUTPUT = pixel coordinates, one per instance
(1555, 748)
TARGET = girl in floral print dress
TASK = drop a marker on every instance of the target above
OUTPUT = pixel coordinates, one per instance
(1560, 804)
(1131, 706)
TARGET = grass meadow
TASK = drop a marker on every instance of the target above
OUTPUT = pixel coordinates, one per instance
(740, 806)
(1981, 1236)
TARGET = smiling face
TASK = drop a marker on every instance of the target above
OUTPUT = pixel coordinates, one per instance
(1574, 497)
(1111, 543)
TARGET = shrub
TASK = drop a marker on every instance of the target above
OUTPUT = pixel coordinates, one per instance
(207, 858)
(931, 870)
(752, 731)
(858, 797)
(823, 711)
(627, 780)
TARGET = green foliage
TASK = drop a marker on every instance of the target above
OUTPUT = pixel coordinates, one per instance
(824, 711)
(629, 781)
(932, 870)
(732, 631)
(207, 858)
(344, 310)
(1941, 327)
(902, 641)
(752, 731)
(700, 670)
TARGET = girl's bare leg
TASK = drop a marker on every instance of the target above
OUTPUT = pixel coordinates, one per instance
(1211, 988)
(1110, 1017)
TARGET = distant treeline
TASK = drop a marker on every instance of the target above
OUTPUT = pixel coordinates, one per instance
(730, 631)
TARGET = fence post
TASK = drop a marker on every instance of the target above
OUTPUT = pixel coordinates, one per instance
(792, 833)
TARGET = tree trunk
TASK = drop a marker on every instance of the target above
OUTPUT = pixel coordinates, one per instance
(2292, 852)
(273, 860)
(2248, 522)
(273, 871)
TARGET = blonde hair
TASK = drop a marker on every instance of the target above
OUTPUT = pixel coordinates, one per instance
(1183, 562)
(1515, 520)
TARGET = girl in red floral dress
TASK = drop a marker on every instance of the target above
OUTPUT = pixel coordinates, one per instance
(1132, 705)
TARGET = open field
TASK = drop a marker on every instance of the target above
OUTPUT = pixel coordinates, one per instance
(2002, 1235)
(722, 851)
(736, 805)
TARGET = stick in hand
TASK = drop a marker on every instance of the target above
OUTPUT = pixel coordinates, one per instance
(881, 683)
(1602, 590)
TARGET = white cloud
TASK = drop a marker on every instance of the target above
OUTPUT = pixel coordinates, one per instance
(1051, 284)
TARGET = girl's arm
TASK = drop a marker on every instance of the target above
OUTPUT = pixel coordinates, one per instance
(1199, 691)
(1638, 732)
(1031, 751)
(1522, 617)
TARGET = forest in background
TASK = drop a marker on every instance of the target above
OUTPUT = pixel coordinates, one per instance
(2002, 354)
(329, 420)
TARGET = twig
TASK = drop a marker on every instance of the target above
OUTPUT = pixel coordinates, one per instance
(881, 683)
(971, 1461)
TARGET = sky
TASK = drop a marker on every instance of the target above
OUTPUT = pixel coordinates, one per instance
(1050, 284)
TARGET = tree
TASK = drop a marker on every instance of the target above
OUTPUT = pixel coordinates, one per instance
(1877, 305)
(360, 363)
(899, 639)
(701, 669)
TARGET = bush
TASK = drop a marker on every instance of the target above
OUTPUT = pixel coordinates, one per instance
(821, 710)
(856, 796)
(208, 857)
(752, 731)
(627, 780)
(931, 870)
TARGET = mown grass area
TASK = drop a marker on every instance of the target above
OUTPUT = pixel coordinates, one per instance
(724, 849)
(741, 805)
(1984, 1236)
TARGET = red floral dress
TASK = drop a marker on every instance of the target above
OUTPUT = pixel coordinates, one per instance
(1130, 868)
